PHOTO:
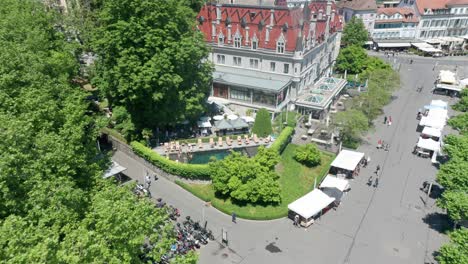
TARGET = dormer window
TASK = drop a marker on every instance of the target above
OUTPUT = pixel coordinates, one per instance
(220, 39)
(280, 44)
(254, 42)
(237, 40)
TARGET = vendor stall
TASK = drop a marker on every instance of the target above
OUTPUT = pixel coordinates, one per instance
(426, 147)
(334, 187)
(309, 206)
(432, 133)
(347, 162)
(435, 118)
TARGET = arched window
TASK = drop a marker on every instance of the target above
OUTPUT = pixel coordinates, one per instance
(280, 44)
(237, 40)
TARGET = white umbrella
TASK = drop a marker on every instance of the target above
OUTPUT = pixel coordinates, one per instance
(205, 118)
(248, 119)
(218, 117)
(232, 117)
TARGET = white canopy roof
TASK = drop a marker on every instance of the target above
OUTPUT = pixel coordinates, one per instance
(426, 47)
(451, 87)
(203, 124)
(334, 182)
(429, 144)
(439, 103)
(114, 169)
(311, 203)
(232, 117)
(393, 45)
(435, 122)
(464, 82)
(218, 117)
(347, 160)
(447, 77)
(248, 119)
(432, 132)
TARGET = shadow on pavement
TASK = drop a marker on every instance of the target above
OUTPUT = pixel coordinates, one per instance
(438, 222)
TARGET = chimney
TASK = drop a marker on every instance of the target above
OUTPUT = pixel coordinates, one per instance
(327, 28)
(328, 10)
(213, 29)
(218, 13)
(267, 36)
(229, 33)
(272, 17)
(247, 36)
(320, 15)
(312, 28)
(333, 15)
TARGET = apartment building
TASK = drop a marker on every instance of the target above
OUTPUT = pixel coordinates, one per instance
(363, 9)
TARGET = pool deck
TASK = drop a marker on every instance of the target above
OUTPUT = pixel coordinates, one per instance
(206, 146)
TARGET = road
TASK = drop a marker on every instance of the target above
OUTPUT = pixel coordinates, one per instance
(393, 223)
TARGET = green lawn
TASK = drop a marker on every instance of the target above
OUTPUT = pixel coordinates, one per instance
(295, 180)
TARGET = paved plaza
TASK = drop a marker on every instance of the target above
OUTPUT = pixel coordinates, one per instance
(393, 223)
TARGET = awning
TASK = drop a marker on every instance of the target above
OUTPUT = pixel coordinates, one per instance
(428, 144)
(248, 119)
(347, 160)
(464, 82)
(447, 77)
(432, 132)
(449, 87)
(253, 82)
(394, 45)
(311, 203)
(218, 117)
(114, 169)
(204, 124)
(439, 104)
(426, 47)
(334, 182)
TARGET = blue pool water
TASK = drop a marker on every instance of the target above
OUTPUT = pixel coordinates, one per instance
(205, 157)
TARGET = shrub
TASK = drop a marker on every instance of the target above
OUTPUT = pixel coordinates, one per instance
(191, 171)
(262, 125)
(282, 140)
(308, 155)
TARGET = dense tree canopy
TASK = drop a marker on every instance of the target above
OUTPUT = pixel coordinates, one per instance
(455, 252)
(262, 126)
(352, 59)
(247, 180)
(54, 205)
(352, 123)
(152, 61)
(354, 33)
(308, 154)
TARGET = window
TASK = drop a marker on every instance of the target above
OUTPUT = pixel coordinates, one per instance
(240, 94)
(237, 61)
(280, 44)
(254, 63)
(286, 68)
(237, 41)
(254, 42)
(272, 66)
(221, 59)
(220, 39)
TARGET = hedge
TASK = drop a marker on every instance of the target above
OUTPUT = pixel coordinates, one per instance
(114, 133)
(283, 139)
(190, 171)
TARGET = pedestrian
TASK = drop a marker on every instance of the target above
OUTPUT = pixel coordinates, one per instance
(389, 120)
(369, 181)
(377, 169)
(387, 146)
(368, 160)
(234, 216)
(379, 144)
(296, 220)
(376, 183)
(385, 120)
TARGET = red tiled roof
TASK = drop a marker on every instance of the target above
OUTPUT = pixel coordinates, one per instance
(430, 4)
(457, 2)
(253, 16)
(407, 13)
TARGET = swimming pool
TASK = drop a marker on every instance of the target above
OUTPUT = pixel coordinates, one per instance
(204, 157)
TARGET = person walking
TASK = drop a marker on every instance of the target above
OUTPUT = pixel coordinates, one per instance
(389, 120)
(296, 220)
(368, 160)
(377, 170)
(376, 183)
(234, 216)
(385, 120)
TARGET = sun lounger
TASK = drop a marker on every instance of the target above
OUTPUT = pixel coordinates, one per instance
(166, 147)
(177, 146)
(211, 142)
(239, 140)
(220, 141)
(255, 138)
(247, 140)
(228, 141)
(200, 144)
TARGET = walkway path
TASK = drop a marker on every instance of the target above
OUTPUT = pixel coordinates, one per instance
(393, 223)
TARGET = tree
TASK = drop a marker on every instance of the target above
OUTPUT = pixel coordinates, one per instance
(456, 147)
(352, 59)
(352, 123)
(308, 154)
(262, 125)
(355, 33)
(456, 204)
(460, 123)
(453, 175)
(456, 251)
(462, 105)
(152, 61)
(247, 180)
(267, 157)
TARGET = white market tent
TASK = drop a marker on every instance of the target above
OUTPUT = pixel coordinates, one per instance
(347, 160)
(428, 144)
(447, 77)
(426, 47)
(439, 104)
(248, 119)
(218, 117)
(204, 124)
(432, 132)
(434, 122)
(334, 182)
(114, 169)
(232, 117)
(311, 203)
(394, 45)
